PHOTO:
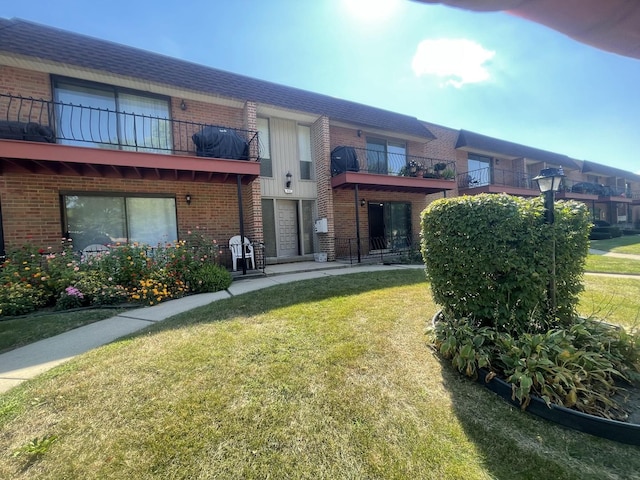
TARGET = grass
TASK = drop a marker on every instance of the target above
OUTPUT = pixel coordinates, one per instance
(606, 264)
(331, 378)
(616, 300)
(624, 244)
(20, 331)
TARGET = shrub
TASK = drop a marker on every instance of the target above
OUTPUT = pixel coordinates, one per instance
(488, 258)
(208, 278)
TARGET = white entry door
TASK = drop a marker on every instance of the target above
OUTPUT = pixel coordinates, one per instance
(287, 215)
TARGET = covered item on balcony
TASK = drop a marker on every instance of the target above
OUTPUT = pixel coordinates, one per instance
(219, 142)
(31, 132)
(344, 159)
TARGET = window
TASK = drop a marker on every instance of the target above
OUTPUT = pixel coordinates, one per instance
(385, 157)
(389, 225)
(95, 219)
(304, 149)
(99, 115)
(479, 170)
(266, 169)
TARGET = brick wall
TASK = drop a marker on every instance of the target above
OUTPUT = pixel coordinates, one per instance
(31, 205)
(344, 207)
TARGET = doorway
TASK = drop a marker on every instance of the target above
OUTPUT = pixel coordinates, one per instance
(287, 231)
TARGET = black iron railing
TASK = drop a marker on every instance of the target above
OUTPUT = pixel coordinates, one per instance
(39, 120)
(353, 159)
(592, 188)
(496, 176)
(390, 249)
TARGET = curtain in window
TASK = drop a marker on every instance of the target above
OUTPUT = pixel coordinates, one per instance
(152, 221)
(86, 115)
(109, 220)
(143, 123)
(304, 148)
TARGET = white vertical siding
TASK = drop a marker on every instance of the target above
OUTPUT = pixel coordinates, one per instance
(285, 158)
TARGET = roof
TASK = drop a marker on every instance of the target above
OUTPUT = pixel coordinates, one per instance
(605, 170)
(612, 25)
(20, 37)
(471, 140)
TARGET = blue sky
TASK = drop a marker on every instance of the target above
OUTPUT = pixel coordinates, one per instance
(491, 73)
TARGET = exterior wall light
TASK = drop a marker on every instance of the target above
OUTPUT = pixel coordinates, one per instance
(288, 182)
(187, 198)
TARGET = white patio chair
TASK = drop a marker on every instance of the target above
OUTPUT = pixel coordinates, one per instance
(236, 252)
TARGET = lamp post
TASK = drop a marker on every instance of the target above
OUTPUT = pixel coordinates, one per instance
(549, 183)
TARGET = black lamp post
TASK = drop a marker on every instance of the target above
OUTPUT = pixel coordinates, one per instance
(549, 182)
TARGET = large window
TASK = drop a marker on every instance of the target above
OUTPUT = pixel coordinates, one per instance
(389, 225)
(106, 220)
(479, 170)
(100, 115)
(385, 157)
(266, 169)
(304, 149)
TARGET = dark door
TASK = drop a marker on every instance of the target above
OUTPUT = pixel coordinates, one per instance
(377, 232)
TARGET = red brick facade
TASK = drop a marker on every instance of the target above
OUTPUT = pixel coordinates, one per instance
(31, 209)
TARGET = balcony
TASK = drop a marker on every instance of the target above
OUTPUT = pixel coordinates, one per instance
(597, 192)
(496, 180)
(41, 136)
(377, 170)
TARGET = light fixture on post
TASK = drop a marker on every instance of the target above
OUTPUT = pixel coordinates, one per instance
(288, 182)
(187, 198)
(549, 182)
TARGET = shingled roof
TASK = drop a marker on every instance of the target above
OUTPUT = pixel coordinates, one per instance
(475, 141)
(29, 39)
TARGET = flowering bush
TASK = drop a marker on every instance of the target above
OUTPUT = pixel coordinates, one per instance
(71, 297)
(59, 277)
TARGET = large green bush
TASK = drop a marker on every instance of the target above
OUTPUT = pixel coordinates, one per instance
(488, 258)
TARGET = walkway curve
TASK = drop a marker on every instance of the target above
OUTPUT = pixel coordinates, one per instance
(26, 362)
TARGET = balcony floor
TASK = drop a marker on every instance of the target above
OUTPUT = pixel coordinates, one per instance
(55, 159)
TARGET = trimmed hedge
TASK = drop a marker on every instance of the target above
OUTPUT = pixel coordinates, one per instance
(604, 233)
(488, 259)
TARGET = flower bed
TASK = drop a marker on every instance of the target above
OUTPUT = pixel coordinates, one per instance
(33, 278)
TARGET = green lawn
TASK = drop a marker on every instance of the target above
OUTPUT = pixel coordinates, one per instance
(624, 244)
(605, 264)
(330, 378)
(21, 331)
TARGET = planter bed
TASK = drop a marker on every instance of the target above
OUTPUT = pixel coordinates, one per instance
(623, 432)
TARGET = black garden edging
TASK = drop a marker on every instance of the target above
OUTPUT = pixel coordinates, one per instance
(623, 432)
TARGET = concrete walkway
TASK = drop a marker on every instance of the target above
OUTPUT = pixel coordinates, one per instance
(26, 362)
(604, 253)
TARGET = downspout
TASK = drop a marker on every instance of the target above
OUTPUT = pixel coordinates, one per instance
(357, 204)
(241, 214)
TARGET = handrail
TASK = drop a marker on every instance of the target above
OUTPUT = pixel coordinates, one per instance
(31, 119)
(355, 159)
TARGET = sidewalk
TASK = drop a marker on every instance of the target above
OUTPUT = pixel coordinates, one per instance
(604, 253)
(26, 362)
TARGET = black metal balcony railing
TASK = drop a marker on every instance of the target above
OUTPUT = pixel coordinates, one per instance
(572, 186)
(396, 249)
(353, 159)
(495, 176)
(39, 120)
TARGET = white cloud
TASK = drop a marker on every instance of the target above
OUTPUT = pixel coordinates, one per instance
(457, 60)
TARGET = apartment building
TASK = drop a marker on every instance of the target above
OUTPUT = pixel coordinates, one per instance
(104, 143)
